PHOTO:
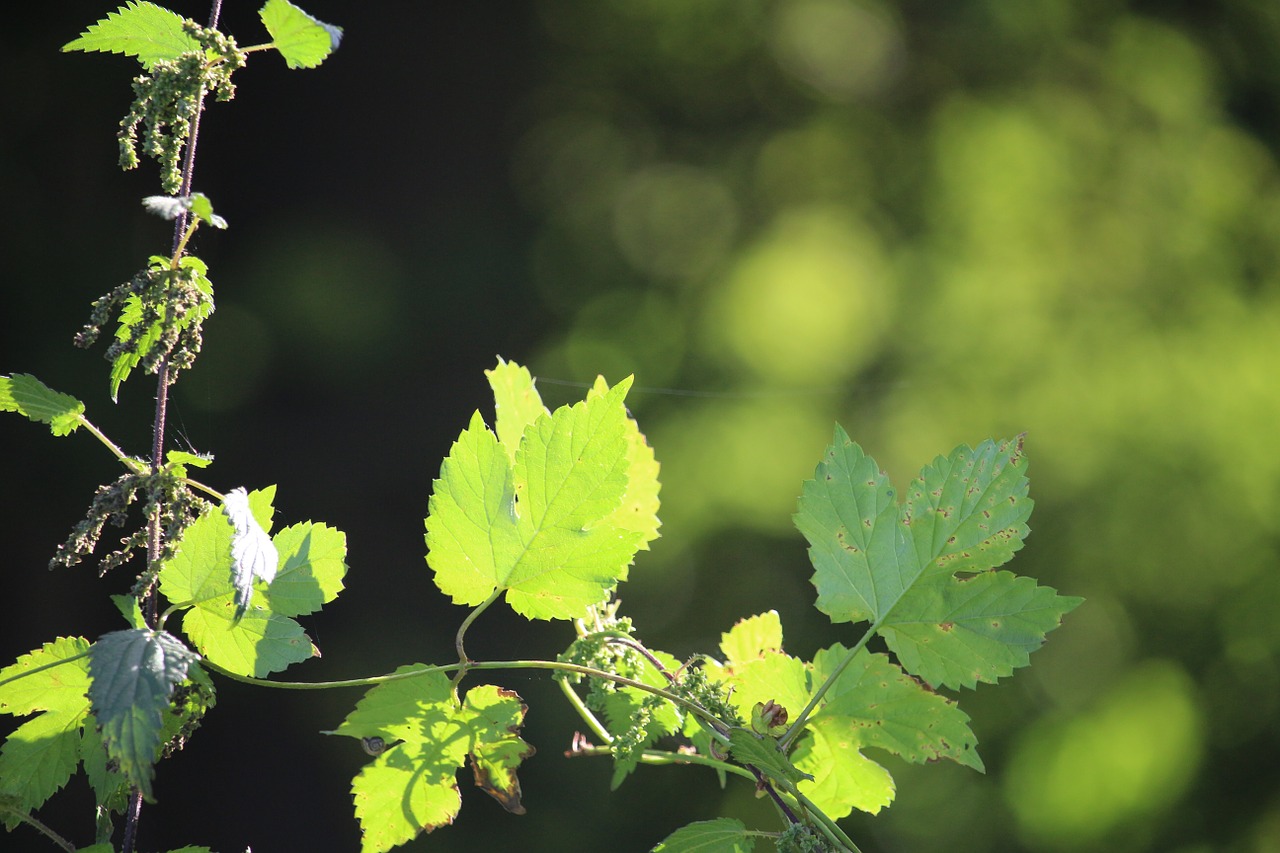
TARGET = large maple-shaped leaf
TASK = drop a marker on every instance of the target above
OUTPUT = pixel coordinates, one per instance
(265, 638)
(412, 786)
(540, 530)
(921, 572)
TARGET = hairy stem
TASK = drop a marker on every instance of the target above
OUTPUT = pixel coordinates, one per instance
(31, 821)
(154, 529)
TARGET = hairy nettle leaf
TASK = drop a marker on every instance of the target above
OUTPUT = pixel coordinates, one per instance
(133, 675)
(303, 41)
(28, 396)
(139, 29)
(547, 522)
(40, 755)
(724, 835)
(412, 786)
(206, 576)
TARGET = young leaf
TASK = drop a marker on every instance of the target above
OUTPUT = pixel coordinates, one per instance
(541, 531)
(724, 835)
(40, 755)
(752, 637)
(516, 403)
(133, 675)
(412, 787)
(171, 207)
(265, 639)
(253, 556)
(140, 29)
(303, 41)
(26, 395)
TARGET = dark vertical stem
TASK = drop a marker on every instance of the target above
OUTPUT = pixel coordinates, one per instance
(149, 603)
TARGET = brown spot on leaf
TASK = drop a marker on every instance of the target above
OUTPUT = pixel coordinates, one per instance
(946, 627)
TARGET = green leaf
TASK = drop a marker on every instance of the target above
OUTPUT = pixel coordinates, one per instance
(957, 632)
(763, 753)
(496, 717)
(750, 638)
(724, 835)
(130, 609)
(516, 403)
(637, 718)
(176, 461)
(171, 207)
(412, 786)
(133, 676)
(303, 41)
(131, 319)
(639, 508)
(26, 395)
(879, 705)
(265, 639)
(139, 29)
(40, 755)
(968, 512)
(540, 530)
(110, 787)
(843, 778)
(849, 514)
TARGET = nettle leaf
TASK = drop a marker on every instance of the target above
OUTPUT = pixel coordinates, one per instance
(412, 786)
(723, 835)
(541, 530)
(131, 315)
(41, 754)
(28, 396)
(176, 461)
(264, 639)
(171, 207)
(303, 41)
(253, 555)
(637, 718)
(143, 30)
(133, 675)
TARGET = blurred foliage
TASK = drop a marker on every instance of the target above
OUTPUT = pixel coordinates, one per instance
(938, 224)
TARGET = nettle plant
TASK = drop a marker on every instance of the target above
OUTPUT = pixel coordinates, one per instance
(545, 511)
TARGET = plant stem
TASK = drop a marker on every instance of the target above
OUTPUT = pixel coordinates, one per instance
(154, 528)
(39, 827)
(584, 712)
(131, 464)
(797, 727)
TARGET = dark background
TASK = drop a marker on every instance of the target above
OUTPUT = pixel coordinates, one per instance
(932, 222)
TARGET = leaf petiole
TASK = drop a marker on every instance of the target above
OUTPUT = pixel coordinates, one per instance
(797, 727)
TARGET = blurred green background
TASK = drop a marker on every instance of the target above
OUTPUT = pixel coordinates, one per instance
(931, 222)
